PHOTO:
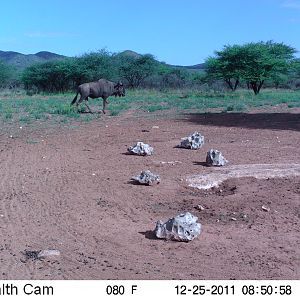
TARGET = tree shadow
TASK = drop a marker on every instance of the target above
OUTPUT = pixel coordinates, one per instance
(276, 121)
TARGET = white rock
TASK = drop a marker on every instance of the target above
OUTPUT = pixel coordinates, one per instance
(215, 158)
(265, 208)
(200, 207)
(141, 149)
(171, 162)
(183, 227)
(147, 178)
(49, 252)
(194, 141)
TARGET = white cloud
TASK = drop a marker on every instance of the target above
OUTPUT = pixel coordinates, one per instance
(294, 4)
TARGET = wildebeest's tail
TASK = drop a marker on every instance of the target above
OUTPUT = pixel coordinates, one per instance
(75, 98)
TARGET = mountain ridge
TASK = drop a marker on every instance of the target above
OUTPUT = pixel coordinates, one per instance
(21, 61)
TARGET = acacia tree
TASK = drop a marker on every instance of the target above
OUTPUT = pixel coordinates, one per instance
(252, 62)
(226, 65)
(265, 61)
(136, 70)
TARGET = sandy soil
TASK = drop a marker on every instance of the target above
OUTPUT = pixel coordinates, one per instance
(70, 190)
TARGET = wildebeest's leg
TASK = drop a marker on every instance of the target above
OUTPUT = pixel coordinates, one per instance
(104, 104)
(85, 102)
(75, 98)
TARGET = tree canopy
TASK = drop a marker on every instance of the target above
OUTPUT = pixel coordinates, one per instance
(135, 70)
(62, 75)
(5, 73)
(252, 62)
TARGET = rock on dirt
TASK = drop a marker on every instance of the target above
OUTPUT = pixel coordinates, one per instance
(48, 252)
(141, 148)
(40, 254)
(200, 207)
(183, 227)
(265, 208)
(194, 141)
(147, 178)
(215, 158)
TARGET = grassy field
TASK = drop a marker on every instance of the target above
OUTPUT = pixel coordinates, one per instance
(28, 109)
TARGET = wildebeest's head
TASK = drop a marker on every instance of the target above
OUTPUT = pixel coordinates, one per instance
(119, 89)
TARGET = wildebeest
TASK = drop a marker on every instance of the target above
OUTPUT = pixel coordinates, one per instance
(102, 88)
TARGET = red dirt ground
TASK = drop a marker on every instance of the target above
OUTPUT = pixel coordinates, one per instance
(70, 190)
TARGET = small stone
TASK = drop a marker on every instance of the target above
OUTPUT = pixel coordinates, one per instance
(171, 162)
(233, 219)
(265, 208)
(49, 252)
(155, 127)
(200, 207)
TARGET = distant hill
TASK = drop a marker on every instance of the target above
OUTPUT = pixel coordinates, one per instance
(137, 55)
(21, 61)
(130, 53)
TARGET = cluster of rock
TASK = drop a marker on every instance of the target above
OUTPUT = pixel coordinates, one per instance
(196, 141)
(183, 227)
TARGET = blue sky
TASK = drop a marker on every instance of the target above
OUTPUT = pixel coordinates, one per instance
(183, 32)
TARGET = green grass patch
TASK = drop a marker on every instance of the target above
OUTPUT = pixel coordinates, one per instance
(56, 108)
(117, 107)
